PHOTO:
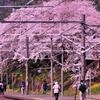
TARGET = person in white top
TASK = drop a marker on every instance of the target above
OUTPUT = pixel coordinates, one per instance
(1, 88)
(56, 89)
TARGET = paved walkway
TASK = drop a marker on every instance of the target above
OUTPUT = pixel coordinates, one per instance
(43, 97)
(2, 98)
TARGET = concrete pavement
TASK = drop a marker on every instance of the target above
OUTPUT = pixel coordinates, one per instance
(34, 97)
(2, 98)
(43, 97)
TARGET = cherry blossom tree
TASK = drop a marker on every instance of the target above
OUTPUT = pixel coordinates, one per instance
(14, 35)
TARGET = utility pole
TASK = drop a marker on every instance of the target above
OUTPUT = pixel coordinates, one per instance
(51, 67)
(27, 54)
(83, 67)
(1, 73)
(1, 67)
(62, 73)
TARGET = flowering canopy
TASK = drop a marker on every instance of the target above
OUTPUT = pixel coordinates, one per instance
(13, 35)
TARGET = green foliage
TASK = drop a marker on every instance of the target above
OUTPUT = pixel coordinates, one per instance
(41, 77)
(95, 88)
(20, 2)
(14, 66)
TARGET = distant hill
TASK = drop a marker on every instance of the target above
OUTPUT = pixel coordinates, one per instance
(97, 4)
(5, 12)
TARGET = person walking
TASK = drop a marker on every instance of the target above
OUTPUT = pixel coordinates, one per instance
(22, 87)
(44, 86)
(82, 88)
(5, 86)
(1, 88)
(56, 89)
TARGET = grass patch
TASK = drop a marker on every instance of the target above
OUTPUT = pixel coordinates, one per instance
(95, 89)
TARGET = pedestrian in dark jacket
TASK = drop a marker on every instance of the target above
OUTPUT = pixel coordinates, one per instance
(22, 87)
(5, 86)
(82, 88)
(44, 86)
